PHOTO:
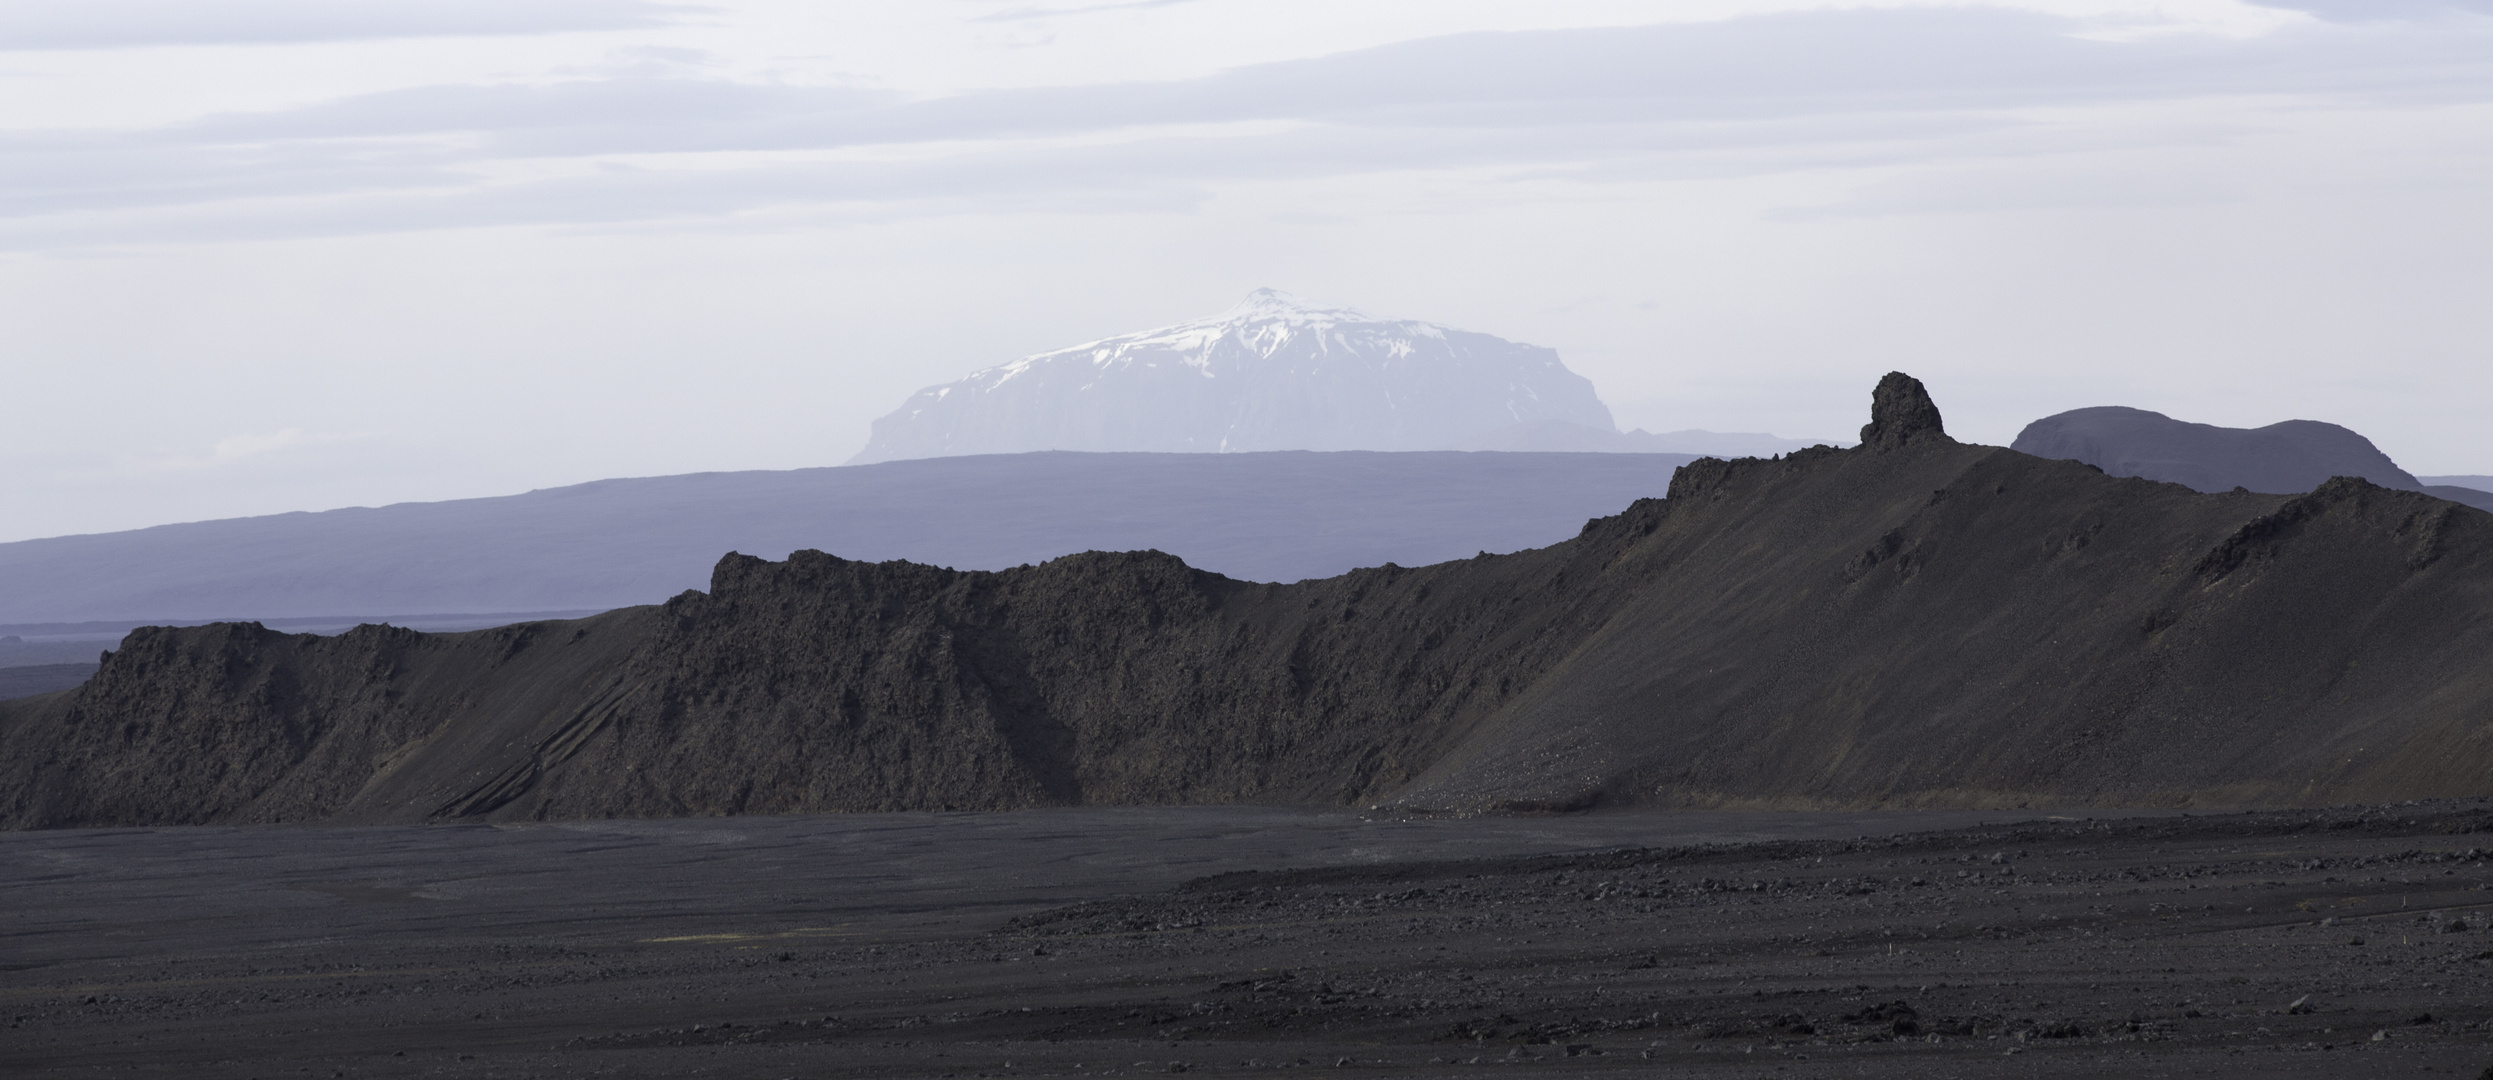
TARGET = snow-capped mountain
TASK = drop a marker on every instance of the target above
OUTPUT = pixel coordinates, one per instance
(1273, 373)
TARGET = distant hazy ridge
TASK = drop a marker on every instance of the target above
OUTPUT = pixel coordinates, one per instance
(1263, 517)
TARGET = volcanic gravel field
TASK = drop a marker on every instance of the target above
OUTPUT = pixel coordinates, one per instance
(1238, 941)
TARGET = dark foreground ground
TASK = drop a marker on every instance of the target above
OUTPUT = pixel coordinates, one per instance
(1129, 942)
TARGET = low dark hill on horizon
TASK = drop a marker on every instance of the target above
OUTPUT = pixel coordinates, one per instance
(2285, 458)
(2473, 483)
(1278, 516)
(1913, 622)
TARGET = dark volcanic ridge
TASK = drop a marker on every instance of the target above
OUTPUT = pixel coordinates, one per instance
(1913, 622)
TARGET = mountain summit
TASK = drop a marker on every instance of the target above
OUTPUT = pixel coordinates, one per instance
(1275, 372)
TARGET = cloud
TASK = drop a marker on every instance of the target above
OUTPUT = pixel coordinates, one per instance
(1742, 97)
(585, 116)
(2381, 10)
(1855, 63)
(236, 447)
(1992, 187)
(28, 25)
(1024, 14)
(247, 446)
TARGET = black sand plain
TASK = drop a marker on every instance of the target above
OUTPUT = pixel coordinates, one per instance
(1229, 941)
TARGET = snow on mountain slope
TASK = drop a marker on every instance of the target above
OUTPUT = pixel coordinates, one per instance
(1274, 373)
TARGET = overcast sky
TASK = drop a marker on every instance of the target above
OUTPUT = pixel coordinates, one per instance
(270, 255)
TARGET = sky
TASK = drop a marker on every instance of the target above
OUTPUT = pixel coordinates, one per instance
(260, 256)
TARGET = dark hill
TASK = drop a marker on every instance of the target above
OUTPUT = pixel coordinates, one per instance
(2475, 491)
(2285, 458)
(1911, 622)
(2472, 483)
(2471, 496)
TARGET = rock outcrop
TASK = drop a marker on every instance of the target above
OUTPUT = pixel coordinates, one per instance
(1900, 412)
(1912, 622)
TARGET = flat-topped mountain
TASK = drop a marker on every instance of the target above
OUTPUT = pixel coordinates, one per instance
(1910, 622)
(1274, 373)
